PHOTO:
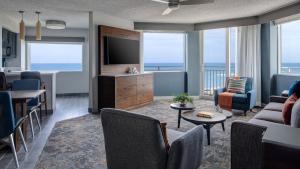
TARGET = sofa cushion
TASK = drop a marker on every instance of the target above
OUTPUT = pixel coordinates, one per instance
(287, 108)
(239, 98)
(274, 106)
(295, 117)
(264, 123)
(268, 115)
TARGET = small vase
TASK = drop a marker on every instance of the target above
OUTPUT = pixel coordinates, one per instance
(182, 104)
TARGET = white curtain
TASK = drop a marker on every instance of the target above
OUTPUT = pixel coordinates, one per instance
(249, 56)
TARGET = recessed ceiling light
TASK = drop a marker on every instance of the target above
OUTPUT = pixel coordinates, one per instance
(55, 24)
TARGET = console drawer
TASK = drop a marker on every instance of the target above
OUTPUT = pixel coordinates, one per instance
(122, 92)
(126, 102)
(125, 81)
(145, 97)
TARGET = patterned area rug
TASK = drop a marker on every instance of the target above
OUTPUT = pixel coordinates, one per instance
(79, 143)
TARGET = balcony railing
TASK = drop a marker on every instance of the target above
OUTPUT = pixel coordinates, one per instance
(290, 70)
(164, 68)
(213, 79)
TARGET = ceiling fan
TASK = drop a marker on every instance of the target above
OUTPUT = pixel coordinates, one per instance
(175, 4)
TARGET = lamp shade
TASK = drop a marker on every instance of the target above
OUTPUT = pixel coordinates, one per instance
(38, 28)
(22, 27)
(22, 30)
(55, 24)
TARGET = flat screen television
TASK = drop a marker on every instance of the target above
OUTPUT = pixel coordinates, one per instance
(121, 51)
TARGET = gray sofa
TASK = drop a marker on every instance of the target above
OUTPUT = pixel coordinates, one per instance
(246, 137)
(134, 141)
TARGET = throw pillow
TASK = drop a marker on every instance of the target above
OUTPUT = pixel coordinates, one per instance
(163, 127)
(236, 86)
(287, 108)
(295, 88)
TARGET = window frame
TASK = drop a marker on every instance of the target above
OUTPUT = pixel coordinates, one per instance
(184, 52)
(227, 59)
(279, 50)
(28, 55)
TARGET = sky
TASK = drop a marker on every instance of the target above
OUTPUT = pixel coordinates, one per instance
(291, 42)
(164, 47)
(55, 53)
(169, 47)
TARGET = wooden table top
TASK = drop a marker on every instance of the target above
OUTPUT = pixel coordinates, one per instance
(26, 94)
(192, 117)
(177, 106)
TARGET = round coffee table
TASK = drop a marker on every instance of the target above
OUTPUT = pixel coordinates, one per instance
(207, 123)
(177, 106)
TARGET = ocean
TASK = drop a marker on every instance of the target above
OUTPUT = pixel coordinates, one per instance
(56, 66)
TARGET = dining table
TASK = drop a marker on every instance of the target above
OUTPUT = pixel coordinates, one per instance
(20, 99)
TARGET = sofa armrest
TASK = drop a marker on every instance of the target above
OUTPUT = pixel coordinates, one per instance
(186, 151)
(216, 94)
(246, 146)
(251, 96)
(278, 99)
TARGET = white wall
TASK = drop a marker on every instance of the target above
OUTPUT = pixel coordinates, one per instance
(70, 82)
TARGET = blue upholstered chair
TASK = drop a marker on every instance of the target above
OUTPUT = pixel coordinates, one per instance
(34, 104)
(9, 123)
(37, 75)
(244, 102)
(133, 141)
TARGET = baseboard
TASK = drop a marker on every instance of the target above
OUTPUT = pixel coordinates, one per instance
(90, 110)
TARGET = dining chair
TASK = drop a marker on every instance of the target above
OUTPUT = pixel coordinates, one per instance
(37, 75)
(9, 123)
(3, 82)
(33, 104)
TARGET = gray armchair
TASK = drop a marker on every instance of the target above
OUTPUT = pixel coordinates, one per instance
(134, 141)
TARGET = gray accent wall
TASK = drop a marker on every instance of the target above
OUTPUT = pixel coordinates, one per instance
(168, 83)
(269, 59)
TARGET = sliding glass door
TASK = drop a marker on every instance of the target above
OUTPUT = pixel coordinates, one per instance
(218, 57)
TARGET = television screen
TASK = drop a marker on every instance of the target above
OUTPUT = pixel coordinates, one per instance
(121, 51)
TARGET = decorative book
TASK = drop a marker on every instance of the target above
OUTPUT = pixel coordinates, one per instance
(205, 114)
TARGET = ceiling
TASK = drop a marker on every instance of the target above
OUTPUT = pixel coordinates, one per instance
(74, 12)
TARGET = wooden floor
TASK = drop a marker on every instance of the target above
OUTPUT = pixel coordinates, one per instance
(66, 107)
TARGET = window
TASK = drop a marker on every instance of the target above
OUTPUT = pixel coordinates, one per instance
(289, 53)
(219, 55)
(55, 56)
(164, 51)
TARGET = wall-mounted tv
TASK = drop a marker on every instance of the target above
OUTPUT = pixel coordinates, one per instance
(121, 51)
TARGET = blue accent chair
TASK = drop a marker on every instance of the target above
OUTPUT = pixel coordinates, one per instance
(9, 123)
(34, 104)
(37, 75)
(244, 102)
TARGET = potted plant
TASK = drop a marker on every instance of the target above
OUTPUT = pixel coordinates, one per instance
(183, 99)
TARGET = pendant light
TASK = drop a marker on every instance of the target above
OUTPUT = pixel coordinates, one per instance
(38, 27)
(22, 27)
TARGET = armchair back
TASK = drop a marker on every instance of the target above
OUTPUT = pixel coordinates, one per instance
(132, 141)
